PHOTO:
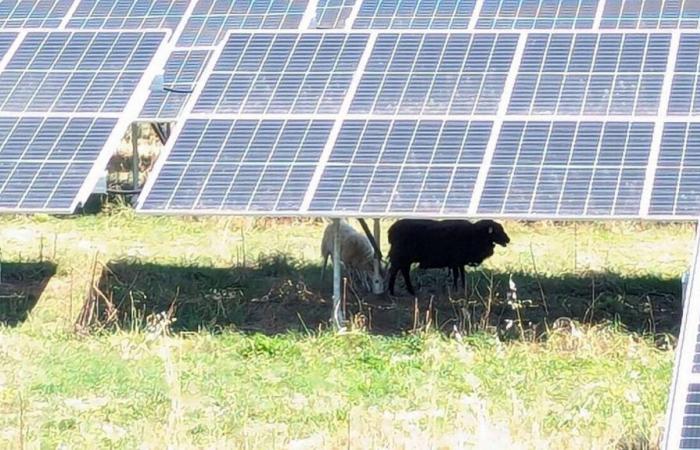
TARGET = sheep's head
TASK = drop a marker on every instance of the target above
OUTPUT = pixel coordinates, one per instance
(495, 232)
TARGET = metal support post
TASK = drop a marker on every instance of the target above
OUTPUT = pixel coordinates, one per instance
(338, 319)
(135, 156)
(377, 280)
(684, 284)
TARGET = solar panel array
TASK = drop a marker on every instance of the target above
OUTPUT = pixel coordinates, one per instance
(538, 108)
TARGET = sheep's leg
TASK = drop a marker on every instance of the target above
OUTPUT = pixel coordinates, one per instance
(393, 270)
(462, 278)
(455, 275)
(406, 272)
(323, 267)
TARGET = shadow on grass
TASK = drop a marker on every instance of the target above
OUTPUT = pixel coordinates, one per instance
(279, 294)
(21, 286)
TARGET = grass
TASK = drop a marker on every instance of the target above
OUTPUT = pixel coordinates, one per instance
(250, 364)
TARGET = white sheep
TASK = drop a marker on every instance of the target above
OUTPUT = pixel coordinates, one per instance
(356, 253)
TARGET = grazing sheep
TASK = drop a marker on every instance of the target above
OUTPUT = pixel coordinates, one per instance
(434, 244)
(356, 253)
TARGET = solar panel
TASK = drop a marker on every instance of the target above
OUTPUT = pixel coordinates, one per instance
(537, 14)
(333, 13)
(282, 73)
(182, 72)
(650, 14)
(211, 19)
(6, 40)
(677, 183)
(435, 73)
(402, 166)
(569, 169)
(592, 74)
(128, 14)
(414, 14)
(44, 162)
(239, 166)
(68, 72)
(685, 91)
(33, 13)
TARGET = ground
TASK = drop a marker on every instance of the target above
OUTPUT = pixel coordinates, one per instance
(124, 331)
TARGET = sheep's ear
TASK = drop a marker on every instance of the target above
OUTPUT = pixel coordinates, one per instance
(491, 230)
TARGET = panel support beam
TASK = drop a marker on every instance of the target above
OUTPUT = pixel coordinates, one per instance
(135, 159)
(378, 279)
(338, 313)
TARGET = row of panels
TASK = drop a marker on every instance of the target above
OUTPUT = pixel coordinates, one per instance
(208, 19)
(449, 74)
(429, 167)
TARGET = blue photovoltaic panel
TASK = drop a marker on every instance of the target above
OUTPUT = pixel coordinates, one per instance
(182, 71)
(568, 169)
(685, 90)
(414, 14)
(650, 14)
(44, 162)
(402, 166)
(211, 19)
(76, 71)
(239, 166)
(333, 13)
(593, 74)
(537, 14)
(677, 182)
(6, 40)
(435, 73)
(690, 433)
(33, 13)
(282, 73)
(128, 14)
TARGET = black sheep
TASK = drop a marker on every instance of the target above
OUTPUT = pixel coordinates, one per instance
(435, 244)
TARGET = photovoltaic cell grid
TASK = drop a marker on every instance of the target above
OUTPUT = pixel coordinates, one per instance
(537, 14)
(87, 72)
(44, 161)
(651, 14)
(182, 72)
(414, 14)
(690, 433)
(211, 19)
(677, 182)
(685, 90)
(333, 13)
(592, 74)
(570, 169)
(6, 40)
(128, 14)
(435, 74)
(33, 13)
(282, 73)
(409, 166)
(240, 165)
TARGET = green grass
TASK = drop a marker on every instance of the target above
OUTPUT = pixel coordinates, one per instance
(250, 363)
